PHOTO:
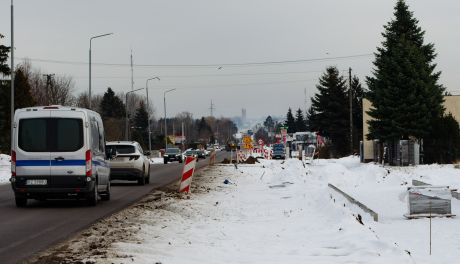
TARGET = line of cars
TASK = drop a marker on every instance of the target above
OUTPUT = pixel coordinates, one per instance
(61, 152)
(175, 154)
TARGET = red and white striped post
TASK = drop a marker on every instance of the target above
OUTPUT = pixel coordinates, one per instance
(187, 174)
(212, 157)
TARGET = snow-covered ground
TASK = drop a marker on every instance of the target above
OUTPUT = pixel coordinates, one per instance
(5, 168)
(277, 212)
(283, 212)
(156, 160)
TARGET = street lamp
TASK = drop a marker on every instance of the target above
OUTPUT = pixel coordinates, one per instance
(148, 109)
(166, 129)
(89, 91)
(12, 74)
(126, 103)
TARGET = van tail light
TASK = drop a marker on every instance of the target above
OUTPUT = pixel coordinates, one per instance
(13, 163)
(88, 162)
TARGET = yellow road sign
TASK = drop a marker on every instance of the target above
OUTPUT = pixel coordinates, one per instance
(248, 146)
(247, 139)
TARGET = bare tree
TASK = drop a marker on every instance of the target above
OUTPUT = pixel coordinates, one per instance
(60, 90)
(82, 101)
(55, 89)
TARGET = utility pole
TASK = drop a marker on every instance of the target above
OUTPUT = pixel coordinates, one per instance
(49, 78)
(12, 73)
(183, 137)
(350, 95)
(132, 72)
(212, 108)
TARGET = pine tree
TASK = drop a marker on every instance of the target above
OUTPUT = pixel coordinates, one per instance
(357, 94)
(111, 105)
(290, 122)
(269, 123)
(4, 50)
(404, 89)
(310, 119)
(329, 113)
(444, 145)
(22, 99)
(300, 123)
(140, 123)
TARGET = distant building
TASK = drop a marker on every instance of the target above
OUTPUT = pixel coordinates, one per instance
(243, 115)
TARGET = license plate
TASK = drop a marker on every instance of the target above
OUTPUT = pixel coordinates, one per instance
(36, 182)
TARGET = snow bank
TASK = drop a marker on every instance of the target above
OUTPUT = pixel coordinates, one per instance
(156, 160)
(384, 190)
(272, 212)
(5, 168)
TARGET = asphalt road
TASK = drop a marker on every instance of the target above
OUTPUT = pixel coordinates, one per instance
(27, 231)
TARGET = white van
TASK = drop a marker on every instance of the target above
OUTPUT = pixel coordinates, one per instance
(59, 152)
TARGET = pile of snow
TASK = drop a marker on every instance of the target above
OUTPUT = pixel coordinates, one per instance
(156, 160)
(384, 190)
(276, 212)
(5, 168)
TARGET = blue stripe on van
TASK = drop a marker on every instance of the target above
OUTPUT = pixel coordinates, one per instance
(26, 163)
(101, 163)
(68, 163)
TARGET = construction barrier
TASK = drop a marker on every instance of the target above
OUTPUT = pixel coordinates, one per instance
(187, 174)
(268, 153)
(212, 157)
(241, 156)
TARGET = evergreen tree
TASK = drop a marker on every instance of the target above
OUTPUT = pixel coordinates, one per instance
(4, 50)
(269, 123)
(310, 119)
(290, 122)
(329, 113)
(22, 99)
(111, 105)
(300, 123)
(22, 91)
(444, 144)
(404, 89)
(140, 123)
(204, 129)
(357, 95)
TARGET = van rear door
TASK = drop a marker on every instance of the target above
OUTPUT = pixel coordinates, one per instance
(68, 152)
(31, 144)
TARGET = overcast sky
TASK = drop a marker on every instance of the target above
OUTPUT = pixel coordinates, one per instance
(216, 33)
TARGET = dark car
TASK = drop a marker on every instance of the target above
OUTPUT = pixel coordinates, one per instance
(190, 153)
(172, 154)
(201, 154)
(278, 151)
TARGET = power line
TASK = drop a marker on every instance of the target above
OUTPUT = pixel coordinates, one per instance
(203, 75)
(220, 65)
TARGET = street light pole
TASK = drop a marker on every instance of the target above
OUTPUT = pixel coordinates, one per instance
(89, 90)
(126, 118)
(12, 73)
(148, 110)
(166, 129)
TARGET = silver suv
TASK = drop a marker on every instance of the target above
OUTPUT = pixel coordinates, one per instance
(129, 162)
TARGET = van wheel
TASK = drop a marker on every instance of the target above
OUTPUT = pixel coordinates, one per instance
(93, 196)
(106, 195)
(21, 201)
(141, 180)
(147, 180)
